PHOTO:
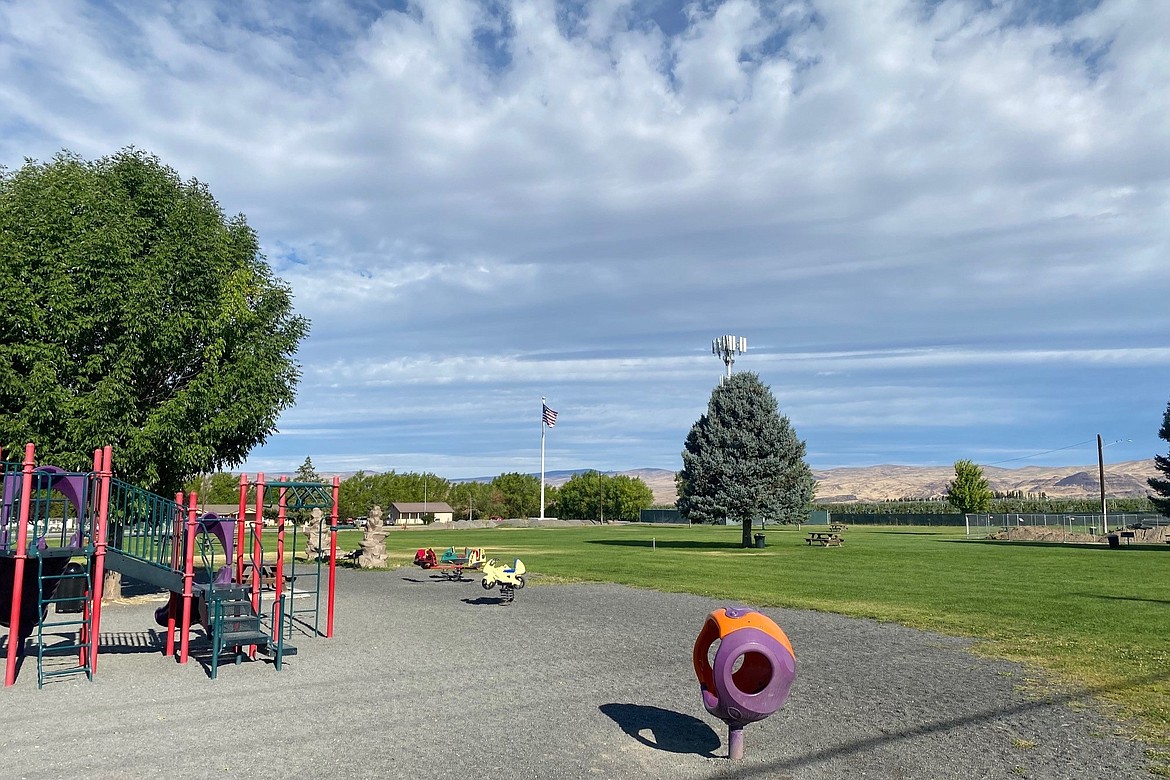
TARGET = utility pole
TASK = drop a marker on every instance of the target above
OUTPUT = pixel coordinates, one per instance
(1101, 469)
(601, 490)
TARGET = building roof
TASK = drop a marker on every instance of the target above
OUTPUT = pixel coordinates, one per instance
(223, 510)
(412, 507)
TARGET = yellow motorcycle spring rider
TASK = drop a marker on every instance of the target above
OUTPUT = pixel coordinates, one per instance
(510, 579)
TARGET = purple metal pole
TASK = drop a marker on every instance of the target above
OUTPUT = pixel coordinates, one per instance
(735, 743)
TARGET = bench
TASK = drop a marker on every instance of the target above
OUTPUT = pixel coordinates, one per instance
(824, 539)
(267, 574)
(837, 527)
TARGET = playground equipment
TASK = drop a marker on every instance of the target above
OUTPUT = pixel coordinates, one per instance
(752, 670)
(510, 579)
(60, 532)
(452, 563)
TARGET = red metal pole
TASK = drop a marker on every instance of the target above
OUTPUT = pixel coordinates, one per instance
(176, 548)
(241, 521)
(99, 557)
(281, 514)
(257, 547)
(83, 632)
(332, 555)
(188, 579)
(15, 643)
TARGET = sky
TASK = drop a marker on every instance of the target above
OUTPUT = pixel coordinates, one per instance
(941, 225)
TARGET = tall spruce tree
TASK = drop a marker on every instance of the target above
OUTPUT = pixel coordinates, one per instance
(743, 461)
(306, 473)
(1162, 486)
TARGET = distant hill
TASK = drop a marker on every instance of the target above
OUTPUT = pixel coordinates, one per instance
(892, 482)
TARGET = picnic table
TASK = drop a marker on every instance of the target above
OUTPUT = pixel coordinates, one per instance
(824, 539)
(836, 527)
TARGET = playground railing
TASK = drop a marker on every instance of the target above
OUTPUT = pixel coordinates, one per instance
(58, 508)
(142, 525)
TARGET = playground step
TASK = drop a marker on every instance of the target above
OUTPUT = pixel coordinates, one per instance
(270, 650)
(246, 637)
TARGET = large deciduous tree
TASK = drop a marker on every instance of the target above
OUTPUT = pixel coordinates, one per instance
(742, 460)
(221, 487)
(592, 495)
(519, 494)
(137, 314)
(969, 491)
(1162, 462)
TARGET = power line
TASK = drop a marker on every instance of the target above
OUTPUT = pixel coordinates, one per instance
(1038, 454)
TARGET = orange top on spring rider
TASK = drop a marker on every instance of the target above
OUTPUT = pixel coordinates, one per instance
(759, 686)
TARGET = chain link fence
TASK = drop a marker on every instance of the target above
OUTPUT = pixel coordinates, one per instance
(1087, 524)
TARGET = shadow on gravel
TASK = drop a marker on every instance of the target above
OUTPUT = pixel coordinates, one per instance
(127, 642)
(479, 602)
(673, 732)
(869, 743)
(680, 544)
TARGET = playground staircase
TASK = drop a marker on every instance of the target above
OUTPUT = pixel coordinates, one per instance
(65, 590)
(233, 624)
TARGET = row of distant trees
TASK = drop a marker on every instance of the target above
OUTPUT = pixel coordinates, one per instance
(589, 495)
(998, 505)
(969, 492)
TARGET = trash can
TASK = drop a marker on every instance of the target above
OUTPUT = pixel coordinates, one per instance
(1114, 540)
(70, 593)
(759, 540)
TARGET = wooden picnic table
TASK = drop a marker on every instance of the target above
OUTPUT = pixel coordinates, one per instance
(824, 539)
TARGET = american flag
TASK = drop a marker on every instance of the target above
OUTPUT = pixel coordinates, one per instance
(550, 416)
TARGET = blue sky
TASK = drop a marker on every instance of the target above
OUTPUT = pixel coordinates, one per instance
(942, 225)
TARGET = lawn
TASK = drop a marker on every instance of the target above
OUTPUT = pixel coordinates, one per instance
(1089, 616)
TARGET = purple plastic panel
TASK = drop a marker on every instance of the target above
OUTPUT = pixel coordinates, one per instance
(222, 528)
(759, 687)
(73, 486)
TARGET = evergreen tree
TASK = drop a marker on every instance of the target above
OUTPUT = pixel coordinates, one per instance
(306, 473)
(969, 491)
(1162, 486)
(743, 461)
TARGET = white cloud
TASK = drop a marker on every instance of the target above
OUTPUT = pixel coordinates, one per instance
(485, 201)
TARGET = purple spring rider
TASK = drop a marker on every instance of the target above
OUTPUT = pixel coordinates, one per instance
(753, 668)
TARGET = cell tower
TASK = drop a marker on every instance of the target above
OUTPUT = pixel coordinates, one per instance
(726, 348)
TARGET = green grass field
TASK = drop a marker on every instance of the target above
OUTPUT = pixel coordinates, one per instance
(1089, 616)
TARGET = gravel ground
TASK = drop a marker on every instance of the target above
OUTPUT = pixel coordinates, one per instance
(433, 679)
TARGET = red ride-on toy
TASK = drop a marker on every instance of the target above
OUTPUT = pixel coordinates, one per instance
(452, 564)
(426, 558)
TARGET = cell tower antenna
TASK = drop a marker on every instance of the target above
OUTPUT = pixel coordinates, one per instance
(726, 348)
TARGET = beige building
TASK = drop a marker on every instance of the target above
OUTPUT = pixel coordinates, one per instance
(410, 513)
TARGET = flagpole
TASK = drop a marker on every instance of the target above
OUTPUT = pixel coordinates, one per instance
(542, 399)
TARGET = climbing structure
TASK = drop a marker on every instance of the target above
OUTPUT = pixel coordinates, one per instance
(60, 532)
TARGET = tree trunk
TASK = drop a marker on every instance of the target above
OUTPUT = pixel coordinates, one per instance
(112, 588)
(747, 532)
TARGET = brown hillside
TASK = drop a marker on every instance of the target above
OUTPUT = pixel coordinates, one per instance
(889, 482)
